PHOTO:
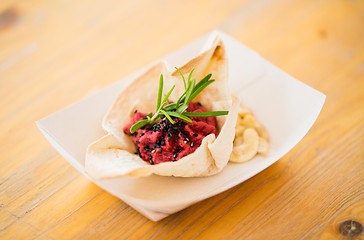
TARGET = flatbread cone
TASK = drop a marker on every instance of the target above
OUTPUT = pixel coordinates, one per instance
(113, 155)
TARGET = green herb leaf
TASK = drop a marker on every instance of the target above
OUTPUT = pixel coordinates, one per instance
(206, 114)
(205, 79)
(138, 125)
(176, 114)
(170, 106)
(167, 96)
(197, 91)
(160, 90)
(189, 90)
(199, 84)
(167, 115)
(182, 108)
(184, 80)
(189, 76)
(181, 99)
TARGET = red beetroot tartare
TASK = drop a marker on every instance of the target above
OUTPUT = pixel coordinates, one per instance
(167, 142)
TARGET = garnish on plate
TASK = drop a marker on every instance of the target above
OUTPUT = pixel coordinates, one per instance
(178, 109)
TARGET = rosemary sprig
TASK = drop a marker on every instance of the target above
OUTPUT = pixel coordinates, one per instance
(165, 109)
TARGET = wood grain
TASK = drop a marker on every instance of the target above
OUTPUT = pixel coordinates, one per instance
(53, 53)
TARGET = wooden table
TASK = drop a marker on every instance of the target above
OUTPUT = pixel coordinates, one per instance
(53, 53)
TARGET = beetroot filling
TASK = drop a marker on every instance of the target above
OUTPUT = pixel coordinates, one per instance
(166, 142)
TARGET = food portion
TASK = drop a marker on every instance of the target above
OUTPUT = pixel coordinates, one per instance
(164, 140)
(179, 122)
(170, 133)
(167, 142)
(251, 138)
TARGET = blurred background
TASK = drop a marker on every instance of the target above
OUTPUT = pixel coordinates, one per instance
(53, 53)
(98, 42)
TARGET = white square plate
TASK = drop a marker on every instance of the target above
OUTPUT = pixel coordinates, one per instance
(285, 106)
